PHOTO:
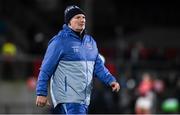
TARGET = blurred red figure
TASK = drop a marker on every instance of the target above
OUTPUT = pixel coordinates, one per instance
(146, 85)
(145, 101)
(31, 83)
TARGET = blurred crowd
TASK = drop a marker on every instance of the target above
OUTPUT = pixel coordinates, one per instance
(149, 76)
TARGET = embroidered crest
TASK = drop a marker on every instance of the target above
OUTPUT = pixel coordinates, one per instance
(89, 46)
(75, 49)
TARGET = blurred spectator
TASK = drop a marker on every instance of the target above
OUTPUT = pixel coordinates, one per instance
(145, 103)
(146, 85)
(170, 100)
(170, 106)
(9, 51)
(158, 86)
(31, 83)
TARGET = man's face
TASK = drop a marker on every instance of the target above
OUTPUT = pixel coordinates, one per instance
(77, 23)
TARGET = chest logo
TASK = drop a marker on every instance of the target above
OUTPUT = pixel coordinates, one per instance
(75, 49)
(89, 46)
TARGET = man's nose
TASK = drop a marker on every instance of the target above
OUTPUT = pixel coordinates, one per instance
(82, 19)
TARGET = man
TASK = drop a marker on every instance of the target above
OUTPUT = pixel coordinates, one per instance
(70, 61)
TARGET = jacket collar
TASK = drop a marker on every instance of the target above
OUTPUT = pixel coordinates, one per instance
(71, 32)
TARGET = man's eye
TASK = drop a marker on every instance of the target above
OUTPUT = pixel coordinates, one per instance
(77, 17)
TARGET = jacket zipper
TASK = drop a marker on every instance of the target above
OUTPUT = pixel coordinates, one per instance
(86, 79)
(86, 69)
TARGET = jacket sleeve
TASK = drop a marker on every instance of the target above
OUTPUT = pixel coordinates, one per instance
(49, 64)
(102, 73)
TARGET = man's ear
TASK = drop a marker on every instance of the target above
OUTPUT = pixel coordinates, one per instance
(69, 24)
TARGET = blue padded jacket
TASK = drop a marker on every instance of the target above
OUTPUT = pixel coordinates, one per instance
(69, 63)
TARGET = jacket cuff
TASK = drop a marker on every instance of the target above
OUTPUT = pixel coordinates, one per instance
(41, 93)
(111, 80)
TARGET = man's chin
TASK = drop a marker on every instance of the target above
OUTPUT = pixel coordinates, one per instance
(80, 30)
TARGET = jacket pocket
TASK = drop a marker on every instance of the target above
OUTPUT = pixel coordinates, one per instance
(65, 86)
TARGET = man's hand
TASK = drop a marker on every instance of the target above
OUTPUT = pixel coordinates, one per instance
(115, 86)
(41, 101)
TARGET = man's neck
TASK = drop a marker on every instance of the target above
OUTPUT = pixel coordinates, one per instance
(80, 34)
